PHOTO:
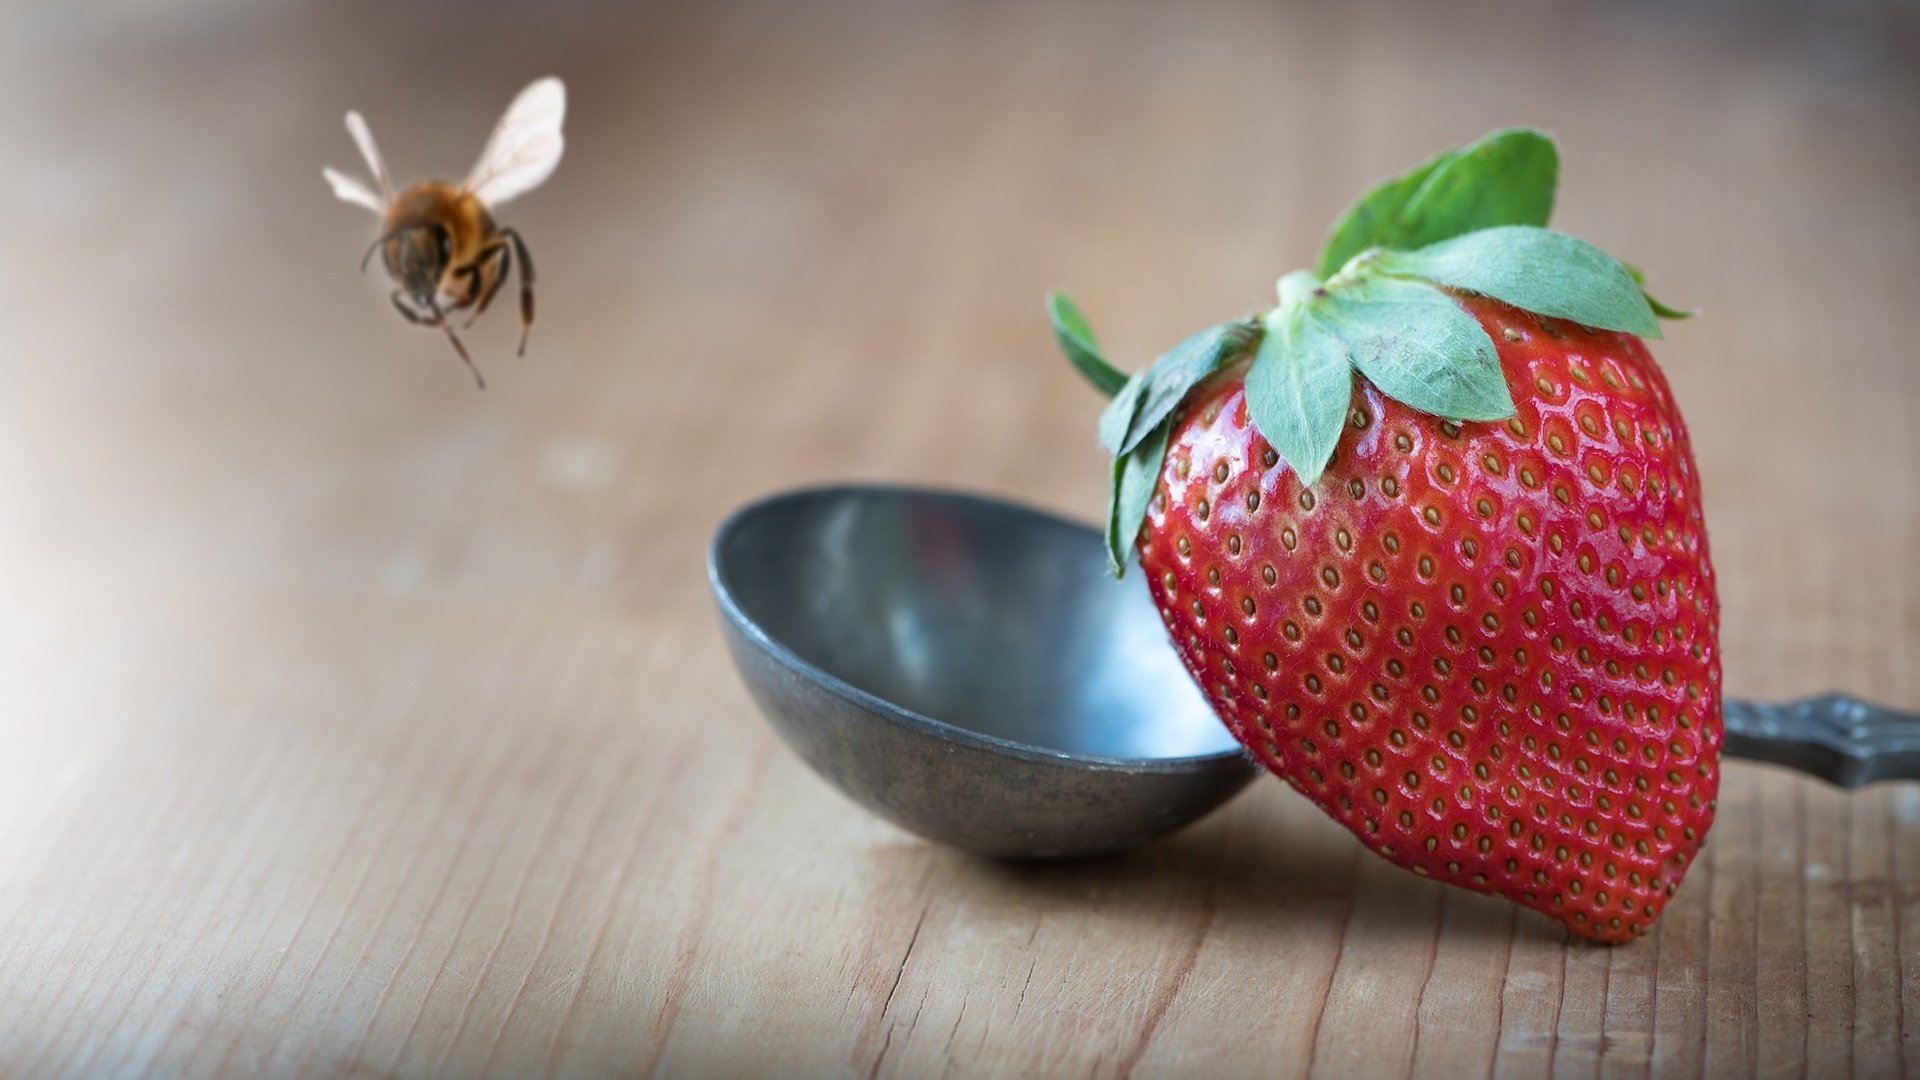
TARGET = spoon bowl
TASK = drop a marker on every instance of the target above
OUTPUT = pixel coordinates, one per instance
(968, 670)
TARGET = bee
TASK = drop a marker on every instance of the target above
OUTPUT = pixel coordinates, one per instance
(440, 243)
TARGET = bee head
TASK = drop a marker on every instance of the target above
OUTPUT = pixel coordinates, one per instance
(417, 256)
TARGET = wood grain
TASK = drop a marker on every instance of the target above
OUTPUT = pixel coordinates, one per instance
(360, 723)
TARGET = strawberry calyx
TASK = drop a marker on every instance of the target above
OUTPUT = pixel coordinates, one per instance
(1381, 303)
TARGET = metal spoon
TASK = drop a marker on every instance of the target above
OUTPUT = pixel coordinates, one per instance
(967, 669)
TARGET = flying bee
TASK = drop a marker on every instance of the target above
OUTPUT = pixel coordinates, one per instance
(440, 243)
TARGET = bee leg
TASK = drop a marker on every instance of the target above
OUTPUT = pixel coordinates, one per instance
(526, 285)
(440, 320)
(497, 252)
(412, 316)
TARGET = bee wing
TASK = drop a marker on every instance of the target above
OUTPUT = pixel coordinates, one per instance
(348, 189)
(525, 145)
(363, 138)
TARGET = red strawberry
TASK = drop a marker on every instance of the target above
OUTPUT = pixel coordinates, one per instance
(1486, 646)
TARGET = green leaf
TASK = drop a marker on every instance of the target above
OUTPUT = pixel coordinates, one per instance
(1664, 311)
(1178, 371)
(1077, 341)
(1370, 221)
(1418, 346)
(1118, 416)
(1535, 269)
(1299, 388)
(1136, 424)
(1135, 474)
(1505, 178)
(1660, 309)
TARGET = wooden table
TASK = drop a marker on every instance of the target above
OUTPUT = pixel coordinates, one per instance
(358, 722)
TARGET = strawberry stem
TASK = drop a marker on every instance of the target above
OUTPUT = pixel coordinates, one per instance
(1294, 288)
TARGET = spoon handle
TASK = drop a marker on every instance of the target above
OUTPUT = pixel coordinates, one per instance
(1836, 737)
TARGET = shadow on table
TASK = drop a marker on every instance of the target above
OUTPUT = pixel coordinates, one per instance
(1250, 869)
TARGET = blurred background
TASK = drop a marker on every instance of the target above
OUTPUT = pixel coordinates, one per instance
(824, 230)
(258, 536)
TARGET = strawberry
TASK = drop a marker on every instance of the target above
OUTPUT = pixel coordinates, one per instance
(1460, 598)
